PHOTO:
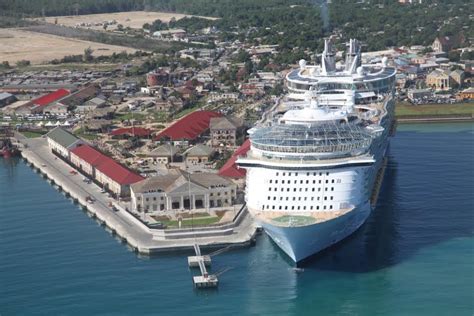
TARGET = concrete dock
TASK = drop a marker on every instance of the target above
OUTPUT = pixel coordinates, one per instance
(145, 240)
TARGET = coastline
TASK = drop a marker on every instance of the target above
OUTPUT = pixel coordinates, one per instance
(143, 239)
(404, 119)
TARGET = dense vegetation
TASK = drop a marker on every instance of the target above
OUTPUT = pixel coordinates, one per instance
(289, 23)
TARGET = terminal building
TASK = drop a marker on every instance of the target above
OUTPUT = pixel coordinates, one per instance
(180, 190)
(61, 142)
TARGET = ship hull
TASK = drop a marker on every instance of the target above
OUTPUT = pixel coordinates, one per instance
(300, 242)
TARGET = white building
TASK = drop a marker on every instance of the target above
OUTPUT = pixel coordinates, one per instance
(179, 190)
(62, 142)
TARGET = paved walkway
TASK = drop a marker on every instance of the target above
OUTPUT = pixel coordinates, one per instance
(138, 235)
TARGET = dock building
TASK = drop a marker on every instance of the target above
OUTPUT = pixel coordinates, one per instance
(111, 175)
(61, 142)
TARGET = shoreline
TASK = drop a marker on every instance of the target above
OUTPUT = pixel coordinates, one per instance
(407, 119)
(239, 233)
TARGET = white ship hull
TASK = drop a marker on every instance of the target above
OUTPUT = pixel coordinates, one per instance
(303, 241)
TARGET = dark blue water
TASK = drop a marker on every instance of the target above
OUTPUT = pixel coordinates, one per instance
(414, 256)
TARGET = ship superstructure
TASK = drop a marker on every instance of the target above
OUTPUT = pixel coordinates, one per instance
(311, 170)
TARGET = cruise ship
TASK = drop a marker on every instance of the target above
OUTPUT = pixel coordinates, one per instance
(313, 164)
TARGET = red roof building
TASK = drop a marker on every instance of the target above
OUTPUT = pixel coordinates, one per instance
(230, 168)
(188, 127)
(109, 173)
(38, 104)
(132, 131)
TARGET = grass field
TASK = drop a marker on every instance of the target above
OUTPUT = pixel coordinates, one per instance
(29, 134)
(193, 222)
(405, 110)
(133, 19)
(16, 44)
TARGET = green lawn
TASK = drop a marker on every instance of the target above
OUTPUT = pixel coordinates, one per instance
(29, 134)
(405, 109)
(196, 222)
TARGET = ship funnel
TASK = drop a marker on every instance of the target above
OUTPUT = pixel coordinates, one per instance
(353, 56)
(328, 61)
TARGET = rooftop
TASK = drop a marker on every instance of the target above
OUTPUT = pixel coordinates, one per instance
(106, 165)
(62, 137)
(189, 127)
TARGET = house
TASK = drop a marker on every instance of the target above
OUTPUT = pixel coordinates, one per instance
(61, 142)
(467, 94)
(223, 131)
(180, 190)
(108, 173)
(199, 154)
(6, 99)
(458, 76)
(174, 34)
(418, 94)
(163, 154)
(224, 96)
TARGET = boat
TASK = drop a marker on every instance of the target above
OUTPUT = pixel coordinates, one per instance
(312, 166)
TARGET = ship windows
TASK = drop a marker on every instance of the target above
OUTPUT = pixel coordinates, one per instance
(270, 180)
(312, 189)
(299, 198)
(294, 198)
(330, 207)
(276, 181)
(332, 181)
(306, 189)
(268, 198)
(298, 208)
(332, 189)
(284, 174)
(327, 181)
(319, 189)
(325, 198)
(304, 208)
(332, 198)
(312, 198)
(319, 181)
(277, 174)
(294, 190)
(286, 207)
(314, 181)
(287, 198)
(269, 188)
(296, 181)
(324, 206)
(317, 207)
(274, 198)
(307, 174)
(307, 181)
(292, 208)
(325, 189)
(273, 207)
(320, 174)
(314, 173)
(289, 174)
(279, 207)
(327, 173)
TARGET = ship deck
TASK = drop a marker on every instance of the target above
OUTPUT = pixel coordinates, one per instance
(285, 219)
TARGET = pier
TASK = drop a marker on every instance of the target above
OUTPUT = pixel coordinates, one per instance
(111, 214)
(205, 280)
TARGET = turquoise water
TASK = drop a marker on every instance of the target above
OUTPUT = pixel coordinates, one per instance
(414, 256)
